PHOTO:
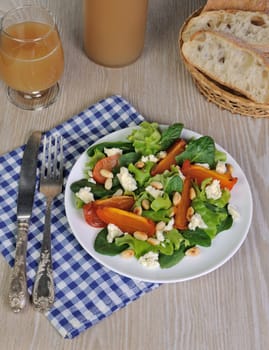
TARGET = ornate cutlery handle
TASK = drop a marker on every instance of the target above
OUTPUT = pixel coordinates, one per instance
(43, 291)
(18, 294)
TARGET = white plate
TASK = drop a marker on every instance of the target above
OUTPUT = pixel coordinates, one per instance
(223, 247)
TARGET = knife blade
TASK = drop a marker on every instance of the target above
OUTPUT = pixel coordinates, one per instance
(18, 294)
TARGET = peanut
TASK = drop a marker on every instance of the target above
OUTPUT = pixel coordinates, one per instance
(137, 211)
(153, 241)
(176, 198)
(145, 204)
(160, 226)
(127, 254)
(192, 193)
(190, 213)
(108, 184)
(140, 164)
(194, 251)
(106, 173)
(157, 185)
(141, 236)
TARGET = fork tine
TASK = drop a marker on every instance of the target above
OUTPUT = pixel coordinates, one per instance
(43, 163)
(61, 159)
(55, 158)
(49, 168)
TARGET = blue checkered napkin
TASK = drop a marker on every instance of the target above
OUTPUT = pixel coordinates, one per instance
(86, 292)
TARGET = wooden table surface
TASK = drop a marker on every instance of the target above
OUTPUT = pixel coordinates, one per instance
(226, 309)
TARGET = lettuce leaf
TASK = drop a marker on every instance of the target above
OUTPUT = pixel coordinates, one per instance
(146, 139)
(140, 247)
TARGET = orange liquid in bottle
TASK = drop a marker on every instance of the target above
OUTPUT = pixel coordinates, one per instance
(114, 30)
(27, 65)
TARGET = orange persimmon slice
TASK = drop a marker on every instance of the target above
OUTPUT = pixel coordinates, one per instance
(125, 220)
(181, 221)
(170, 159)
(200, 173)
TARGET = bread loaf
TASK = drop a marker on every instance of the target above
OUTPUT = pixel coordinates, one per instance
(245, 5)
(230, 63)
(252, 27)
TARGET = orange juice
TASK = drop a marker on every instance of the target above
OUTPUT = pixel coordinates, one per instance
(114, 30)
(31, 56)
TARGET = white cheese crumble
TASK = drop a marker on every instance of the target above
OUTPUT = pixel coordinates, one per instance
(112, 151)
(154, 192)
(170, 225)
(160, 236)
(213, 191)
(113, 231)
(196, 222)
(149, 158)
(233, 212)
(149, 260)
(126, 180)
(221, 167)
(85, 194)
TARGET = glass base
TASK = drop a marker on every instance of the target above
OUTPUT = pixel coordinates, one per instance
(33, 101)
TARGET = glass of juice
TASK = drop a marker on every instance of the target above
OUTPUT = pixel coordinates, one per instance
(31, 57)
(114, 30)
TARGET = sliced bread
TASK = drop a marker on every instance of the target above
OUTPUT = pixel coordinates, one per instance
(252, 27)
(229, 63)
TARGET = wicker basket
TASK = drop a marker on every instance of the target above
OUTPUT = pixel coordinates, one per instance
(220, 95)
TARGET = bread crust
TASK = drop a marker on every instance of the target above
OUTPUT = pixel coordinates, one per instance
(216, 59)
(245, 5)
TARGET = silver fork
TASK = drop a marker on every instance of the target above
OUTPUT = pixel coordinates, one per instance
(51, 181)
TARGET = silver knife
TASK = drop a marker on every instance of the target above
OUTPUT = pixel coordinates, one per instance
(18, 294)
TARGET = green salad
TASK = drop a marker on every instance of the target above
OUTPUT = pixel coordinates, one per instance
(156, 196)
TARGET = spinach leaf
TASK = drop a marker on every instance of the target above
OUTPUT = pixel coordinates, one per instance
(124, 146)
(98, 190)
(167, 261)
(173, 184)
(128, 158)
(197, 237)
(225, 224)
(201, 150)
(170, 135)
(102, 246)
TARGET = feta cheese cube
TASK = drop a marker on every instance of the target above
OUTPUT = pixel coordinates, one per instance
(85, 194)
(112, 151)
(127, 181)
(154, 192)
(233, 212)
(213, 191)
(149, 260)
(221, 167)
(113, 231)
(196, 222)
